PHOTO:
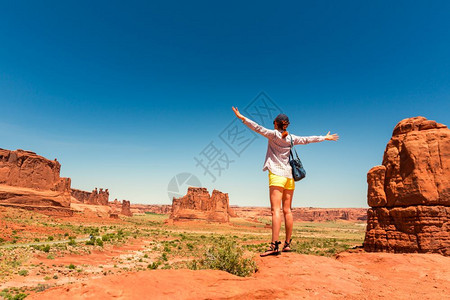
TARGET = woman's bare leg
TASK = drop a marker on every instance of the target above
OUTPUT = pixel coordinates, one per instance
(288, 219)
(276, 194)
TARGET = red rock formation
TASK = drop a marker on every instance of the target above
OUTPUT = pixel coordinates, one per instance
(95, 197)
(308, 214)
(30, 181)
(197, 204)
(410, 193)
(162, 209)
(126, 211)
(329, 214)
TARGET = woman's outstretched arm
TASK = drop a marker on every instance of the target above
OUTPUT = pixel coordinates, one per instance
(253, 125)
(302, 140)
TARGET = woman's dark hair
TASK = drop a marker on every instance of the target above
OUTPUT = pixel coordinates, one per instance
(282, 122)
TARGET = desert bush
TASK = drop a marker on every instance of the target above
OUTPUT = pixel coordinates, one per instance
(190, 246)
(72, 242)
(164, 256)
(11, 296)
(99, 242)
(41, 287)
(71, 267)
(154, 265)
(227, 256)
(46, 248)
(23, 272)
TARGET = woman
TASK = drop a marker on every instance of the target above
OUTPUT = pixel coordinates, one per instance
(281, 183)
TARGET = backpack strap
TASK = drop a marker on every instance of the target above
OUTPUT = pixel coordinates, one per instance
(292, 147)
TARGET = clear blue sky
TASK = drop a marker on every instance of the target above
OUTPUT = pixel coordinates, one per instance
(126, 94)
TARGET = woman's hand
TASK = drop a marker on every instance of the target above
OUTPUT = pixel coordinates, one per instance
(238, 114)
(331, 137)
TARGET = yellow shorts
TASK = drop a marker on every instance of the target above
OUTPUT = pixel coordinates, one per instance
(284, 182)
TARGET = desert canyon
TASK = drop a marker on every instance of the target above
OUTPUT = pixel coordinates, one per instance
(61, 242)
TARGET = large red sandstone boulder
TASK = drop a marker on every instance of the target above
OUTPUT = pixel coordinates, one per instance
(197, 204)
(30, 181)
(410, 193)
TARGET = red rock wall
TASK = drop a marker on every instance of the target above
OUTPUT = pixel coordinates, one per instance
(27, 169)
(308, 214)
(96, 197)
(154, 208)
(410, 192)
(197, 204)
(33, 182)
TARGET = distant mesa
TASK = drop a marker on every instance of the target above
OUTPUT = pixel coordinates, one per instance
(96, 197)
(162, 209)
(30, 181)
(410, 192)
(197, 204)
(307, 214)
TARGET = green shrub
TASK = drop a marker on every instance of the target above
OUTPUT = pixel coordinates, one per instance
(9, 296)
(154, 265)
(46, 248)
(71, 267)
(72, 242)
(50, 238)
(190, 246)
(164, 256)
(99, 242)
(227, 256)
(23, 272)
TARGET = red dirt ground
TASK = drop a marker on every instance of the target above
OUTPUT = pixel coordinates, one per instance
(289, 276)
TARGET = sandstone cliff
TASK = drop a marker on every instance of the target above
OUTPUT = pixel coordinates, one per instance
(308, 214)
(153, 208)
(96, 197)
(30, 181)
(197, 204)
(120, 207)
(410, 192)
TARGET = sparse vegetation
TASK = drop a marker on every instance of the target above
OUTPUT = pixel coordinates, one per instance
(226, 256)
(204, 246)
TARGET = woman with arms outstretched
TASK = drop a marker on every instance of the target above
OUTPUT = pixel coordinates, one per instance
(281, 183)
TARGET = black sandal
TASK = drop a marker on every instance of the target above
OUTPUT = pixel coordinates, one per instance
(287, 245)
(273, 249)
